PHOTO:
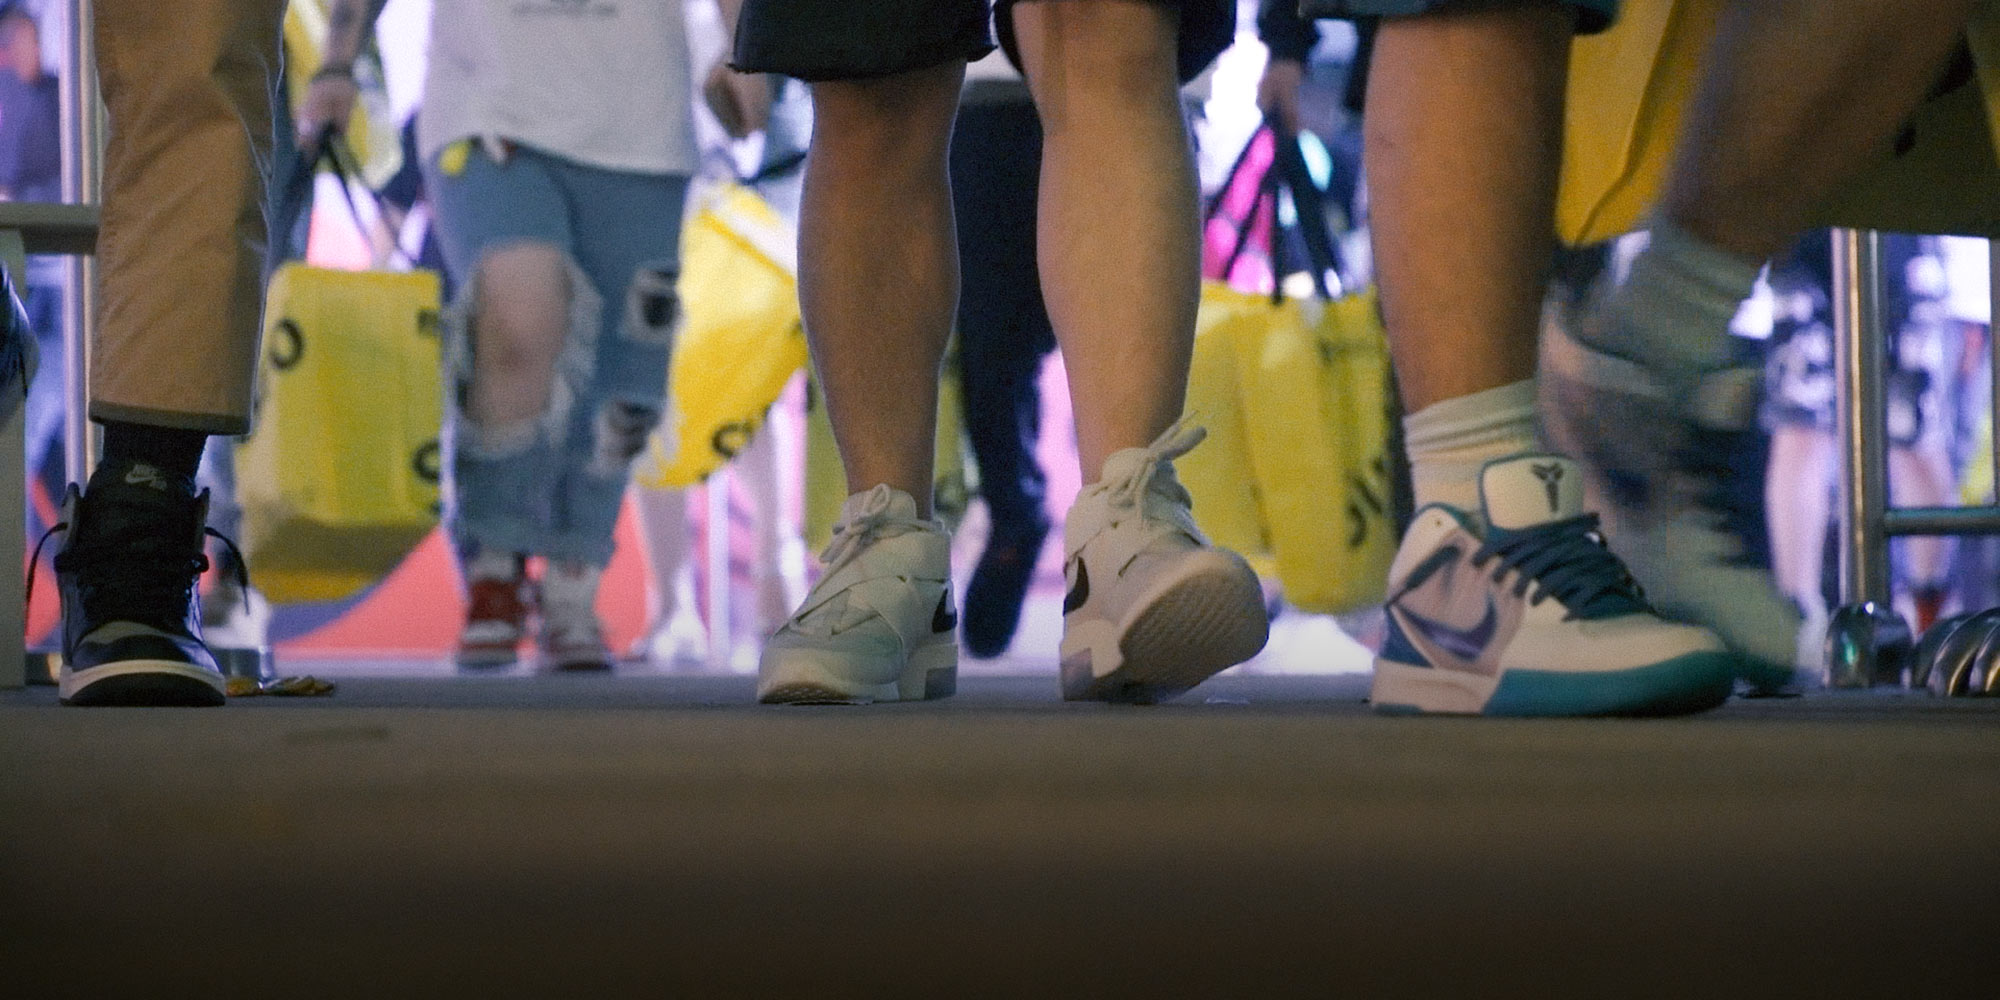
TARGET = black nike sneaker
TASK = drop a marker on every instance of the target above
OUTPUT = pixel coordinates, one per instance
(128, 568)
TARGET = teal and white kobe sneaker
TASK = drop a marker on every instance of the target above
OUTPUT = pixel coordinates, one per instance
(1533, 615)
(880, 625)
(1686, 523)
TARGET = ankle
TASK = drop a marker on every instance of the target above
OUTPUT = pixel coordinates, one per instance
(494, 564)
(570, 585)
(1450, 442)
(168, 454)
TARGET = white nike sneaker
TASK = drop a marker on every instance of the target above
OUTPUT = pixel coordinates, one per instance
(235, 617)
(1152, 609)
(1533, 615)
(881, 624)
(572, 638)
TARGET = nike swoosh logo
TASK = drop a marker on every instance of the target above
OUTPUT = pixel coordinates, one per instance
(944, 619)
(1464, 643)
(144, 475)
(1079, 591)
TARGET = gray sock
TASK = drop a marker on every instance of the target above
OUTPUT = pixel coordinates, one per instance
(1672, 314)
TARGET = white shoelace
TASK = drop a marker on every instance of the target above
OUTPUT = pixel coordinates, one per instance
(1172, 443)
(852, 536)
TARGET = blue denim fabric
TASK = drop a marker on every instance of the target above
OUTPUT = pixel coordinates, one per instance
(558, 494)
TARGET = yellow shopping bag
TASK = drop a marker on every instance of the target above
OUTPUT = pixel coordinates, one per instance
(1313, 384)
(740, 341)
(339, 478)
(1629, 88)
(1218, 474)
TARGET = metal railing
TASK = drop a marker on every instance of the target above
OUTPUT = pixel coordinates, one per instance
(69, 229)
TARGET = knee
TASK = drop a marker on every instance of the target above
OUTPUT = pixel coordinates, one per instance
(523, 337)
(1123, 50)
(892, 117)
(519, 312)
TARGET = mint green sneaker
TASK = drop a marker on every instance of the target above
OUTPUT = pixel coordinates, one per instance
(1152, 609)
(881, 624)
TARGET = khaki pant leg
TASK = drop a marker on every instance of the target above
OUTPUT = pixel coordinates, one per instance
(188, 85)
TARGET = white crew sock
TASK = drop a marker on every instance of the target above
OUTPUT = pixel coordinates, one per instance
(1451, 441)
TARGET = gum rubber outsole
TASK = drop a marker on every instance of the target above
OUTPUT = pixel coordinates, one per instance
(1195, 629)
(811, 694)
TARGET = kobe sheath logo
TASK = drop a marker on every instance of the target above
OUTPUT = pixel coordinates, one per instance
(1551, 477)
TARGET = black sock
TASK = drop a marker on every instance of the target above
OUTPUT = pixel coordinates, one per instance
(174, 453)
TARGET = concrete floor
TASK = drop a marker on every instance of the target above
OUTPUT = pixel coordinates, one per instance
(660, 836)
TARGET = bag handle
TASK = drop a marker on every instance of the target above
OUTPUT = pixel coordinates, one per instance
(1309, 205)
(296, 193)
(332, 149)
(1264, 199)
(1286, 172)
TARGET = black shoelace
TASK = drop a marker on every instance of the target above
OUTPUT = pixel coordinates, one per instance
(1566, 560)
(136, 575)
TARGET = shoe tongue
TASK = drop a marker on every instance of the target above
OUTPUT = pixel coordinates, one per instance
(116, 505)
(138, 479)
(1125, 464)
(1528, 490)
(880, 500)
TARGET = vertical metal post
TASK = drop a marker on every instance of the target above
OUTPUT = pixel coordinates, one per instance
(721, 582)
(1859, 347)
(1993, 361)
(82, 156)
(13, 496)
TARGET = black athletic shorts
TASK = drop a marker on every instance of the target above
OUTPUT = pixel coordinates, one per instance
(858, 39)
(1592, 16)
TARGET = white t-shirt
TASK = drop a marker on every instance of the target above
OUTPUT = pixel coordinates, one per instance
(605, 83)
(1970, 296)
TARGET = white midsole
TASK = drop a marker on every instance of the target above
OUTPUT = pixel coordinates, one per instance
(73, 681)
(786, 667)
(1101, 637)
(1430, 689)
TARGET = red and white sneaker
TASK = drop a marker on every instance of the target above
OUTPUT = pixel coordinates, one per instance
(499, 599)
